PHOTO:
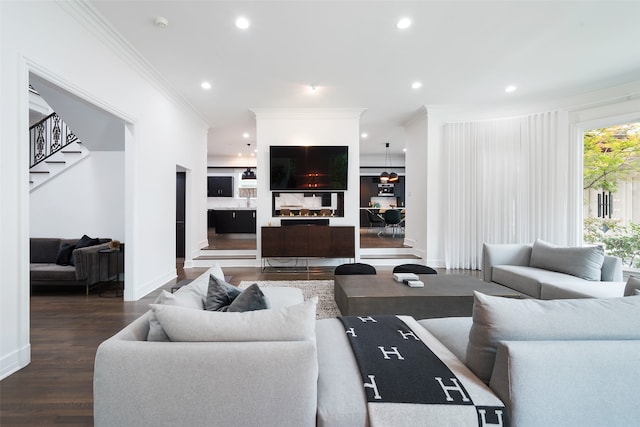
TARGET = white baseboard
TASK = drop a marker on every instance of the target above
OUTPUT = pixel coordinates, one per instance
(15, 361)
(150, 286)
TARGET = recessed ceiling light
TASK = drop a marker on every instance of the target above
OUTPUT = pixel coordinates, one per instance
(242, 23)
(205, 85)
(364, 135)
(510, 88)
(403, 23)
(416, 85)
(313, 89)
(245, 135)
(404, 149)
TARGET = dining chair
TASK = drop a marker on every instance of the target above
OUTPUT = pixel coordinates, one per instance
(392, 219)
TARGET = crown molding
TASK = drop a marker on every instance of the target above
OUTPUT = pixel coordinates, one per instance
(95, 23)
(420, 114)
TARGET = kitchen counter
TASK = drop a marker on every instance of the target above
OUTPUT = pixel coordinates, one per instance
(238, 208)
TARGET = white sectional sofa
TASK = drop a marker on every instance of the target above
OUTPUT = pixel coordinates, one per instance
(281, 367)
(544, 271)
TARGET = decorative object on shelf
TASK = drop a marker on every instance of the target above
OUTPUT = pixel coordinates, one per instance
(114, 245)
(386, 176)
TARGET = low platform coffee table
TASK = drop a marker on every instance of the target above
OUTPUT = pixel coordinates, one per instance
(443, 295)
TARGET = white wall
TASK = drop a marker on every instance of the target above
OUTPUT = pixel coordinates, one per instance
(162, 132)
(418, 188)
(309, 127)
(87, 198)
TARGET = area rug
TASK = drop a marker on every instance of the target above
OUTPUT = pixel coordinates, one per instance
(323, 289)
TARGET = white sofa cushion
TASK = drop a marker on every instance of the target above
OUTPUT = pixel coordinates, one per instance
(584, 262)
(293, 323)
(581, 289)
(633, 284)
(498, 319)
(528, 280)
(453, 332)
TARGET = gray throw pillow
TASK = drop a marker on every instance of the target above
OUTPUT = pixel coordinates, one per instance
(250, 299)
(498, 319)
(220, 294)
(584, 262)
(633, 285)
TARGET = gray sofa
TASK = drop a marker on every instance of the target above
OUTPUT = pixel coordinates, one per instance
(81, 266)
(556, 272)
(584, 374)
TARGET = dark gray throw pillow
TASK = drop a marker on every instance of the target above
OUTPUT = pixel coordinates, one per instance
(250, 299)
(84, 242)
(64, 254)
(219, 294)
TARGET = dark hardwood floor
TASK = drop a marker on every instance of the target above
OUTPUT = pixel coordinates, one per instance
(66, 328)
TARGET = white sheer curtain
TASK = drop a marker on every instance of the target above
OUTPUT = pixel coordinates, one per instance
(508, 181)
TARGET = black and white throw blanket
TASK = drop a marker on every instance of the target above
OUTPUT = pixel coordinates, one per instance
(411, 379)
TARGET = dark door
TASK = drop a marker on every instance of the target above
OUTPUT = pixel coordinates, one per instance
(181, 187)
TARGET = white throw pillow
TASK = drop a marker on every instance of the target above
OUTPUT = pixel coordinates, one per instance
(293, 323)
(184, 298)
(498, 319)
(201, 283)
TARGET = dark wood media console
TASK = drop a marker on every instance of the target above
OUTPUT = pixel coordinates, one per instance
(308, 241)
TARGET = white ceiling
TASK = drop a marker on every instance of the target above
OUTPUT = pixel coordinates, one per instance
(462, 52)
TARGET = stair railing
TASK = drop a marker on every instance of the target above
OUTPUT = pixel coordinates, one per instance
(47, 137)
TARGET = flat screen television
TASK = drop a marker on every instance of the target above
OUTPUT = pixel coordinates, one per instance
(320, 167)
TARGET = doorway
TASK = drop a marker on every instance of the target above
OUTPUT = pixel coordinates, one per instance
(181, 198)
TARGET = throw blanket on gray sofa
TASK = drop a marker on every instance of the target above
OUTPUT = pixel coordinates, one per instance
(410, 378)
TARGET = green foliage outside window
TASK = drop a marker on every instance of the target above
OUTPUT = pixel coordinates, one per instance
(618, 240)
(612, 155)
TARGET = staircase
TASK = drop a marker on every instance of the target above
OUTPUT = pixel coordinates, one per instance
(53, 149)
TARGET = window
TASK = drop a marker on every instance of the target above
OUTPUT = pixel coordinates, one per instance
(611, 186)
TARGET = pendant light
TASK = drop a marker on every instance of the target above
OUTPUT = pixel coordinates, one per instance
(249, 174)
(386, 176)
